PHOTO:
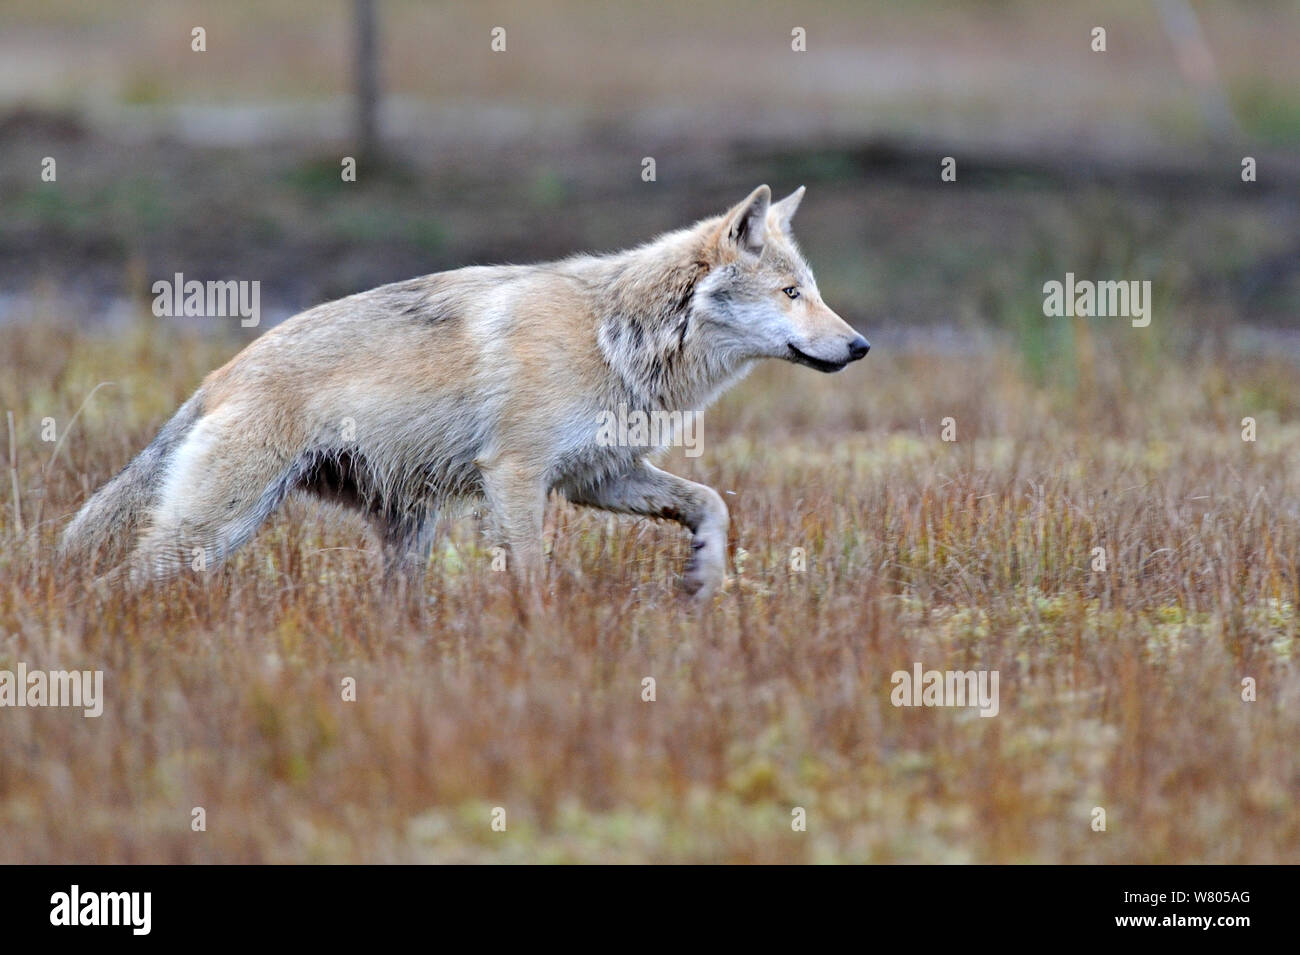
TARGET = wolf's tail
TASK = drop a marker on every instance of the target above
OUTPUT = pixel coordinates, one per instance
(108, 523)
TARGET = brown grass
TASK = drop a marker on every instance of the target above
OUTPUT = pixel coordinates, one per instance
(1119, 689)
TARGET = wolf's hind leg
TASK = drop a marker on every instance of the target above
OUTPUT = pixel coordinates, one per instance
(220, 486)
(650, 492)
(407, 542)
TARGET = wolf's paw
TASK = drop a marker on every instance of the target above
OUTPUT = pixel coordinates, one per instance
(706, 570)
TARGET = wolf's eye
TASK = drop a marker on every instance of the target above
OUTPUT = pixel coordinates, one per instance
(792, 291)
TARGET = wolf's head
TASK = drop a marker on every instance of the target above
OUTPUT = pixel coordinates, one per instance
(760, 297)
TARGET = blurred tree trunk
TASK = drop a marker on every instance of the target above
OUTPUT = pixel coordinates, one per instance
(367, 79)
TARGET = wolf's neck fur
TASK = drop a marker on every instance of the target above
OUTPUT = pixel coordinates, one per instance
(651, 336)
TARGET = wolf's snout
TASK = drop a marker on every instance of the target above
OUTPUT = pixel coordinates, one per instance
(858, 348)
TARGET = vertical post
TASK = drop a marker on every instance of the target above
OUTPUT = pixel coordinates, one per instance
(367, 79)
(1197, 65)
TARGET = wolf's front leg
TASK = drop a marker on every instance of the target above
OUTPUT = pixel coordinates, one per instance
(516, 496)
(648, 491)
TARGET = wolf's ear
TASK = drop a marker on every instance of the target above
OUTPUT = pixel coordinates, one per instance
(783, 211)
(745, 223)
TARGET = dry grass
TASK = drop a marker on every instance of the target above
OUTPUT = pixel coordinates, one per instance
(1120, 690)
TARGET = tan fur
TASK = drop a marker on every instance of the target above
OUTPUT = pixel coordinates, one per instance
(481, 383)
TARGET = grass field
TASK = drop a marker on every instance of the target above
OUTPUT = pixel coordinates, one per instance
(1120, 689)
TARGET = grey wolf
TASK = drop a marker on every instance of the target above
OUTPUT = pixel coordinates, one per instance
(483, 383)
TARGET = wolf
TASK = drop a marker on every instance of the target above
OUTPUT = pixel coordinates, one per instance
(481, 384)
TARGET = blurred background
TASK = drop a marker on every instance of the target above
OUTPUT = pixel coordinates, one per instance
(226, 163)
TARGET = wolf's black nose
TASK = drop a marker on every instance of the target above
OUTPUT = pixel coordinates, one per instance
(858, 347)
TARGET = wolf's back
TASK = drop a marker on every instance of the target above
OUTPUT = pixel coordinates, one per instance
(107, 524)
